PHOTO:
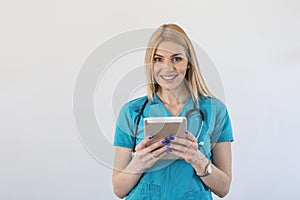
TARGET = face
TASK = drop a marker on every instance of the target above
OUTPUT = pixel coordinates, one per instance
(170, 65)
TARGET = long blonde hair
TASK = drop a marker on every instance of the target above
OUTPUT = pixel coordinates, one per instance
(195, 81)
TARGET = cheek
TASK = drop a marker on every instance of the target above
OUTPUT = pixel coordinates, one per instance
(156, 68)
(182, 69)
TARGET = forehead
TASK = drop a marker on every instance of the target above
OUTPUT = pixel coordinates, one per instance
(168, 48)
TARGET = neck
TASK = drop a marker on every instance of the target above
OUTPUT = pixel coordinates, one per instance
(176, 96)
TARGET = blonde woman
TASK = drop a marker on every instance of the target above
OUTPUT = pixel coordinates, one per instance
(175, 86)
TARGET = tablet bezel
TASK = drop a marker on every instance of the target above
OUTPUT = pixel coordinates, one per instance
(164, 127)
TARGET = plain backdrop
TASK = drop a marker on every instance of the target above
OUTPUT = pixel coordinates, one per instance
(255, 47)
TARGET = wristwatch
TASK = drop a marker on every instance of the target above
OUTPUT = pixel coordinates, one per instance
(208, 170)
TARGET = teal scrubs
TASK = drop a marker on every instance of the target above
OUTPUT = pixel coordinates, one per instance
(173, 179)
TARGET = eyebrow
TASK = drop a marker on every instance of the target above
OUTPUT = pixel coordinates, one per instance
(176, 54)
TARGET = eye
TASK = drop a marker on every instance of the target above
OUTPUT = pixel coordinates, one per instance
(176, 59)
(157, 59)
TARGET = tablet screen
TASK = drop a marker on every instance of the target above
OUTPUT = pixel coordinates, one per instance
(164, 127)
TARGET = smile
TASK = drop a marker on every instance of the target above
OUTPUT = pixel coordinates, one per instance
(169, 77)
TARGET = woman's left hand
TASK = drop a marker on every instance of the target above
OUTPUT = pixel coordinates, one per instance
(187, 148)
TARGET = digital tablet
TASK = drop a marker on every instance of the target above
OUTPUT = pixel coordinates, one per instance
(164, 127)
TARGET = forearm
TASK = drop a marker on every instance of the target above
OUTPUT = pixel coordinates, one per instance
(124, 181)
(218, 181)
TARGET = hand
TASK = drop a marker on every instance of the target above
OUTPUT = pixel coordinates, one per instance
(147, 156)
(187, 148)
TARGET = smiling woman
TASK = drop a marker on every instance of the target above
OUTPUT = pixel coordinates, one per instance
(170, 39)
(175, 86)
(170, 65)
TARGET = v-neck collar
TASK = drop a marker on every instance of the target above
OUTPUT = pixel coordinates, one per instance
(186, 103)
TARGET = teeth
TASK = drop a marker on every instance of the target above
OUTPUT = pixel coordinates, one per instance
(169, 77)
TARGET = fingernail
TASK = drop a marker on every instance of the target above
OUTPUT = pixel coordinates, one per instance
(169, 150)
(164, 141)
(171, 137)
(150, 137)
(186, 132)
(168, 144)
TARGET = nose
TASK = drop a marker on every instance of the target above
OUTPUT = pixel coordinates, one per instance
(168, 63)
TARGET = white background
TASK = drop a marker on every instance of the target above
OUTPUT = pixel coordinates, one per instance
(254, 44)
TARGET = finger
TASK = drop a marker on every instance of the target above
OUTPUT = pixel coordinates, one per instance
(182, 149)
(190, 136)
(182, 141)
(177, 153)
(161, 155)
(159, 151)
(156, 154)
(143, 143)
(155, 146)
(190, 157)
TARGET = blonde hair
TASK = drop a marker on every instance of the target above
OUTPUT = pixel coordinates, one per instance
(195, 81)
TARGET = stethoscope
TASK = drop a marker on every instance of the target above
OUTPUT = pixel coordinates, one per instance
(187, 115)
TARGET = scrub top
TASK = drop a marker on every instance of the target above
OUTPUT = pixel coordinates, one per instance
(173, 179)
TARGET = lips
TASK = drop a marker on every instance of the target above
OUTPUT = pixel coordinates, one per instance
(169, 77)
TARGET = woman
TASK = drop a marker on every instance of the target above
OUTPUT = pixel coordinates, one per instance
(174, 86)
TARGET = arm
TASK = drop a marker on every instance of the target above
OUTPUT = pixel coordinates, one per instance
(220, 178)
(127, 170)
(123, 177)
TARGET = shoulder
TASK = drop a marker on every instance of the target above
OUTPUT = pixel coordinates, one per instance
(211, 101)
(134, 105)
(214, 106)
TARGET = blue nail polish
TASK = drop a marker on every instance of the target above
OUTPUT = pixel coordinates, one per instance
(150, 137)
(186, 132)
(168, 144)
(171, 137)
(169, 150)
(164, 141)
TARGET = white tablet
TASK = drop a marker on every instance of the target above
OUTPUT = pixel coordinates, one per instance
(164, 127)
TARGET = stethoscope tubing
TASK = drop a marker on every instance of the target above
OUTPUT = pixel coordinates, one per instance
(187, 116)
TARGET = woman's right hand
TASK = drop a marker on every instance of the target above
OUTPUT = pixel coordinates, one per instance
(146, 156)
